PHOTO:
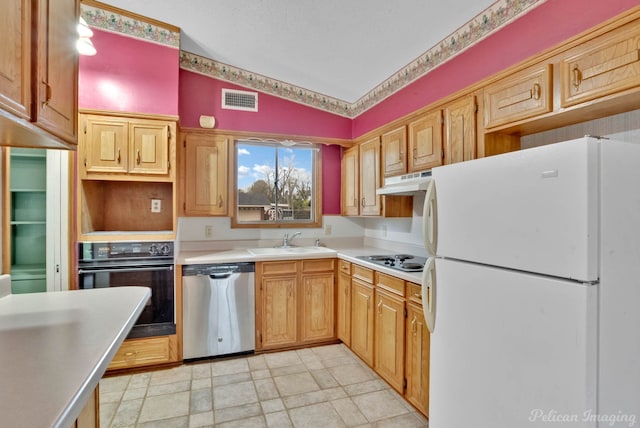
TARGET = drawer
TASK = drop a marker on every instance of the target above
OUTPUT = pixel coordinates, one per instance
(145, 352)
(414, 292)
(318, 265)
(606, 65)
(362, 272)
(344, 267)
(520, 96)
(390, 283)
(279, 268)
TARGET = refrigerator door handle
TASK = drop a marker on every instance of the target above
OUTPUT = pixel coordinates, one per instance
(430, 218)
(429, 293)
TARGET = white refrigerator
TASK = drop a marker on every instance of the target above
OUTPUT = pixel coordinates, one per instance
(533, 296)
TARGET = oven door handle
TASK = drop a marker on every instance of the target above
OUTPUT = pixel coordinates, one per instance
(137, 269)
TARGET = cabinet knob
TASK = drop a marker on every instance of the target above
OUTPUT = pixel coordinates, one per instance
(363, 203)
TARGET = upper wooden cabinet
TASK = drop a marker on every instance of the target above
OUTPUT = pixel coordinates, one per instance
(205, 174)
(394, 152)
(606, 65)
(370, 177)
(460, 130)
(425, 142)
(520, 96)
(350, 181)
(116, 147)
(39, 72)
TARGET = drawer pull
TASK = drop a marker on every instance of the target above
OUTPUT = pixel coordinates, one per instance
(138, 157)
(220, 201)
(118, 156)
(536, 91)
(577, 77)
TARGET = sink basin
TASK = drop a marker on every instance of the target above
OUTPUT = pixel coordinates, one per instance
(275, 251)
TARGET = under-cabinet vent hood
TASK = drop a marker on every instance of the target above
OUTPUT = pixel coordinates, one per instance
(406, 184)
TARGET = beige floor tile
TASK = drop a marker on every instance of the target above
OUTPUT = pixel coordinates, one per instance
(324, 378)
(114, 384)
(321, 415)
(204, 382)
(305, 399)
(349, 374)
(261, 374)
(257, 362)
(200, 401)
(379, 405)
(107, 412)
(168, 388)
(349, 412)
(228, 367)
(132, 394)
(365, 387)
(234, 395)
(165, 406)
(237, 412)
(404, 421)
(338, 362)
(285, 370)
(127, 413)
(272, 406)
(111, 396)
(278, 420)
(201, 420)
(297, 383)
(178, 374)
(331, 351)
(200, 370)
(139, 380)
(231, 378)
(179, 422)
(281, 359)
(334, 393)
(266, 389)
(255, 422)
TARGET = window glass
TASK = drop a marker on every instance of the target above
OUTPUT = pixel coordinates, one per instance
(275, 183)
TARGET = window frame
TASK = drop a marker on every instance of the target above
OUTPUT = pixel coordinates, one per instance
(316, 205)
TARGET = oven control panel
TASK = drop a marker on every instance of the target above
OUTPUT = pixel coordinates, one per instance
(92, 251)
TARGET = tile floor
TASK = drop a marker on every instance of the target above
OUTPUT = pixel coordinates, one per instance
(326, 386)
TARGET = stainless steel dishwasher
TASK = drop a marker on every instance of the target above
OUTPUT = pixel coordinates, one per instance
(218, 309)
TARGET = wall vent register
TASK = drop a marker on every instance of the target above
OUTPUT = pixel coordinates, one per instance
(239, 100)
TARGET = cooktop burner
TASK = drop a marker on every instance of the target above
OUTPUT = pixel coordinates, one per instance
(403, 262)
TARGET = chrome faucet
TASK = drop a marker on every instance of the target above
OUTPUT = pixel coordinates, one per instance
(286, 239)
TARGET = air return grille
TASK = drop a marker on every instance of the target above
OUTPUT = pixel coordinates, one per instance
(239, 100)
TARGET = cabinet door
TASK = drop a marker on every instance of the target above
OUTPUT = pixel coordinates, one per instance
(425, 142)
(604, 66)
(370, 177)
(389, 339)
(103, 145)
(523, 95)
(350, 182)
(394, 152)
(417, 361)
(278, 311)
(149, 147)
(460, 136)
(362, 320)
(57, 68)
(206, 174)
(318, 315)
(344, 308)
(15, 57)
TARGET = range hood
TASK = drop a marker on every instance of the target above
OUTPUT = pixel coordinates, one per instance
(406, 184)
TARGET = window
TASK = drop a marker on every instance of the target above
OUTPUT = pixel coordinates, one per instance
(277, 184)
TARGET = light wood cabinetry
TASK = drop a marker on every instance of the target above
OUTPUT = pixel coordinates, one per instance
(389, 329)
(370, 177)
(394, 152)
(145, 352)
(362, 313)
(417, 358)
(205, 174)
(525, 94)
(294, 303)
(425, 142)
(118, 147)
(603, 66)
(39, 73)
(343, 301)
(89, 416)
(350, 182)
(460, 130)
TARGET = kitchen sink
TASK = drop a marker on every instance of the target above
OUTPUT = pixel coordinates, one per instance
(275, 251)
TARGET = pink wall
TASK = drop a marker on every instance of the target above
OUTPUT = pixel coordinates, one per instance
(544, 27)
(331, 179)
(202, 95)
(129, 75)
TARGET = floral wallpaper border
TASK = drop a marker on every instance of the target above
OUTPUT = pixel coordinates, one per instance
(488, 21)
(116, 23)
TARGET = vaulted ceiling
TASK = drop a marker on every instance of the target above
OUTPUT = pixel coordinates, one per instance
(342, 49)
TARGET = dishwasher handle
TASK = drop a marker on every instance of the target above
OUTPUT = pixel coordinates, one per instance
(221, 275)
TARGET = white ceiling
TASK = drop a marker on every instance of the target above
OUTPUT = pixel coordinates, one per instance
(339, 48)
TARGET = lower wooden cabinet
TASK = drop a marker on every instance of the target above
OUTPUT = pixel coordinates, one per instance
(89, 416)
(294, 303)
(343, 302)
(389, 339)
(362, 321)
(417, 359)
(145, 352)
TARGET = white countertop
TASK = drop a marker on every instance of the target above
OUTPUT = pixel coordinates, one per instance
(55, 347)
(245, 255)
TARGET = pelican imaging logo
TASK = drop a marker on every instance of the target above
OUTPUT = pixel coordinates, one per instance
(618, 419)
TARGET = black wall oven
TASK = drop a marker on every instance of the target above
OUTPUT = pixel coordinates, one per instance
(144, 264)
